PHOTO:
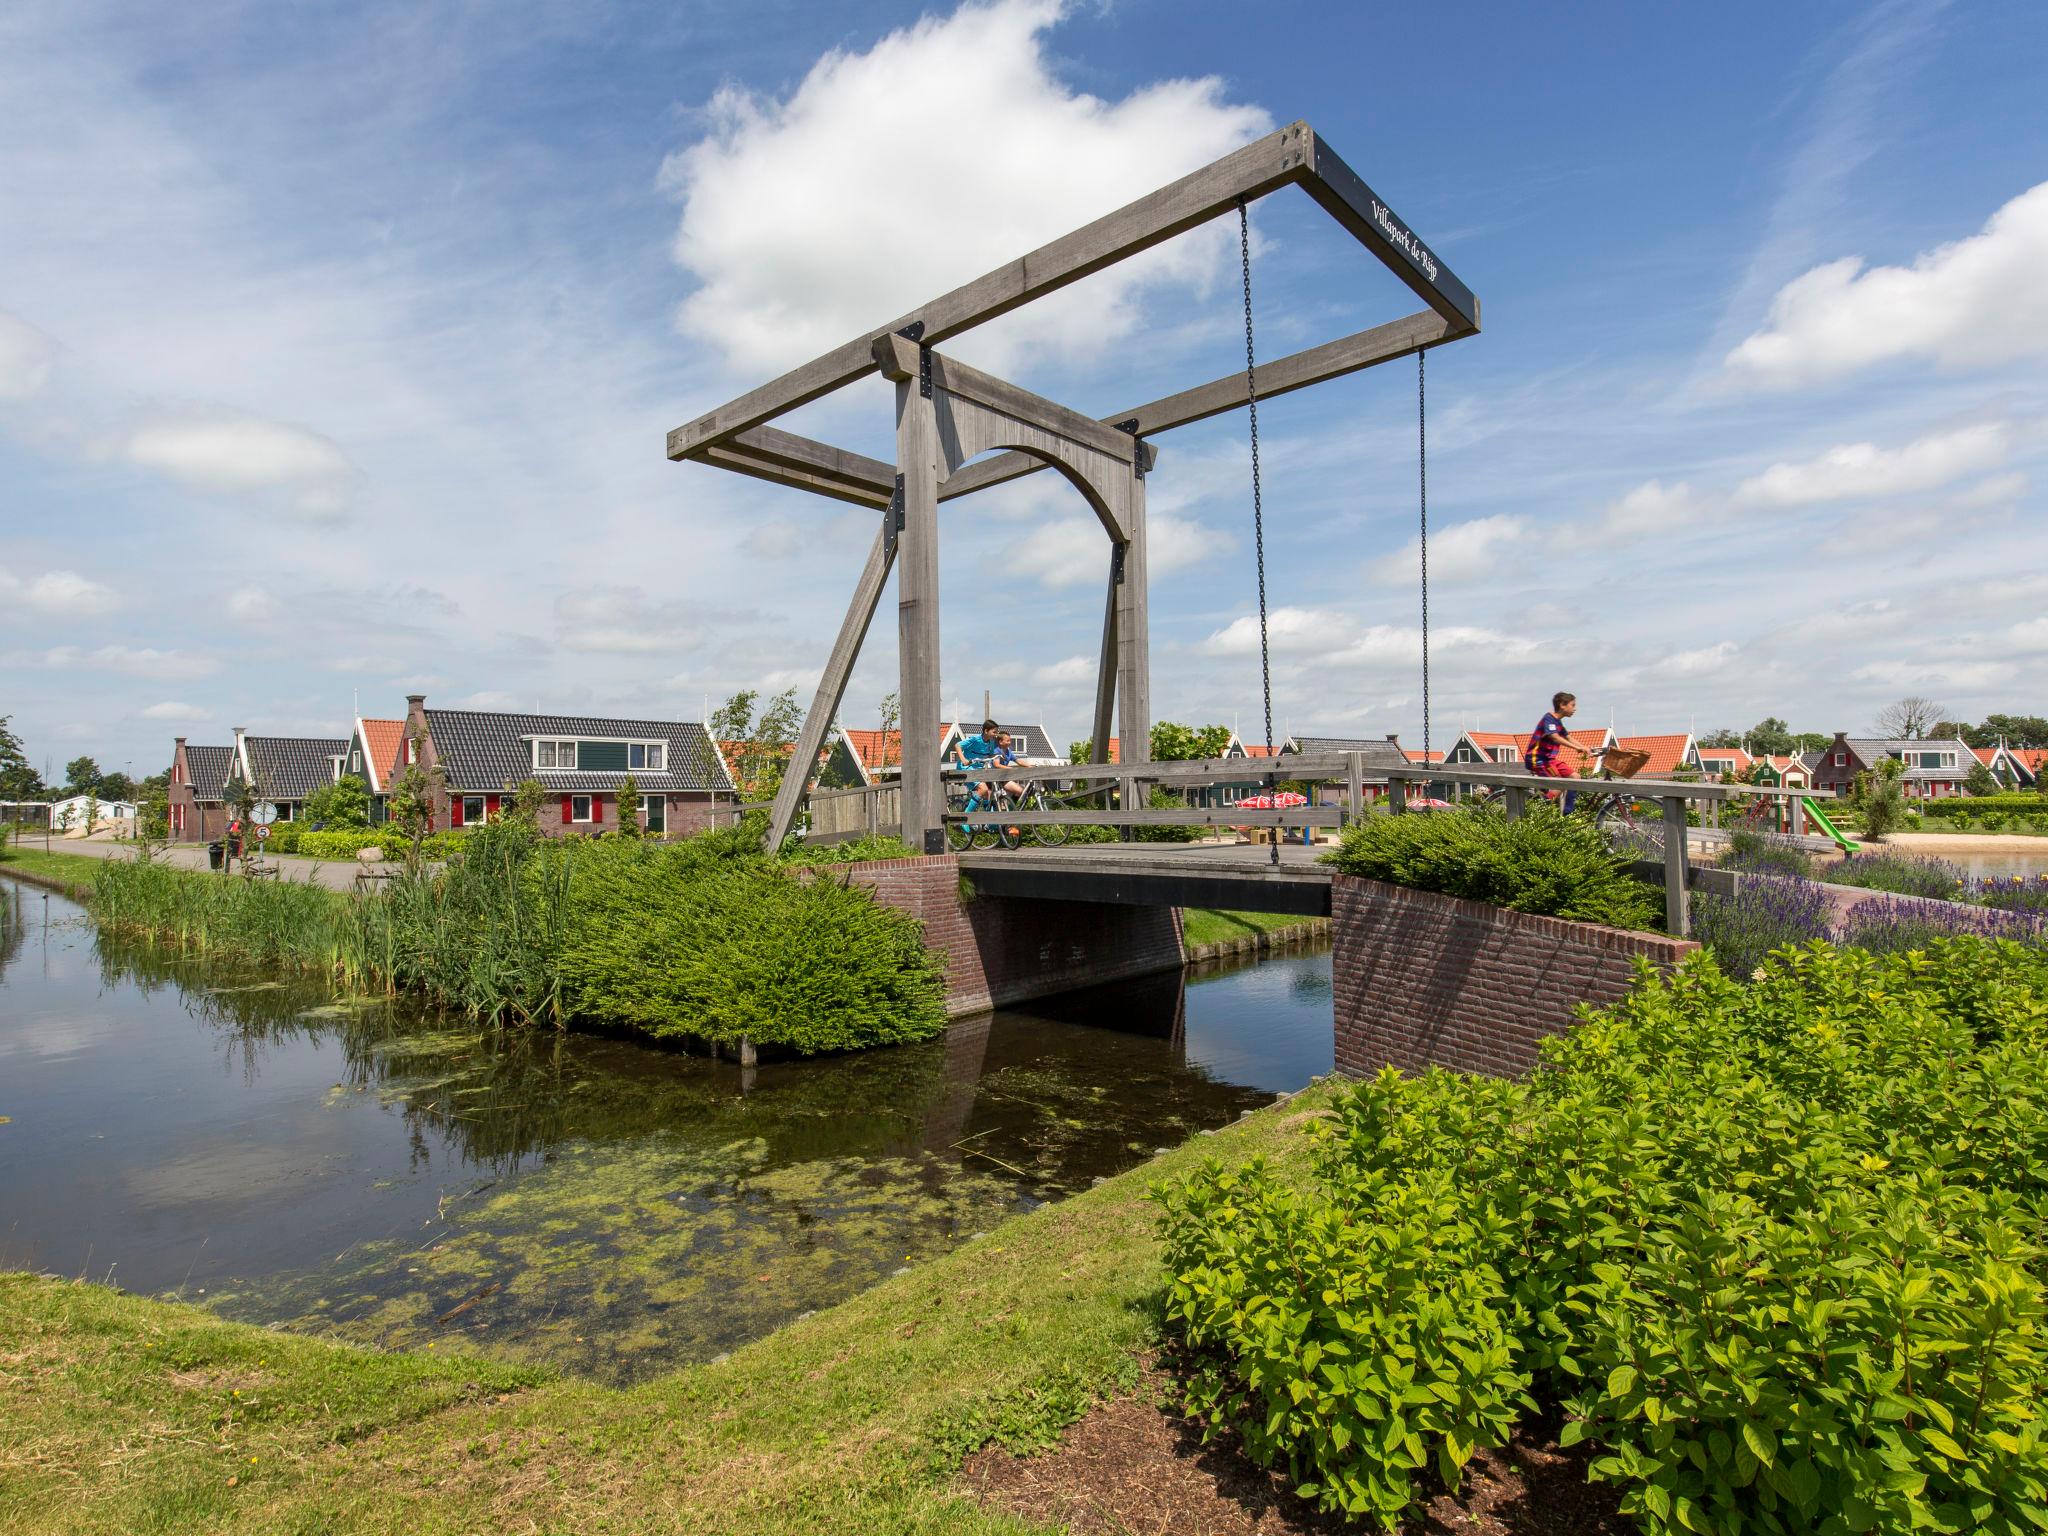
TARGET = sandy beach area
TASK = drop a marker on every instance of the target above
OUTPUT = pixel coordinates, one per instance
(1967, 842)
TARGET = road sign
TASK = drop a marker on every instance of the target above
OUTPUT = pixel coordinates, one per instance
(263, 834)
(263, 813)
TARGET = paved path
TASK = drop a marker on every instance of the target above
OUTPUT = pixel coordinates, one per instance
(336, 876)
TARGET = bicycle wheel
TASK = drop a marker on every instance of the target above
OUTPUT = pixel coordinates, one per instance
(959, 836)
(1049, 837)
(1007, 836)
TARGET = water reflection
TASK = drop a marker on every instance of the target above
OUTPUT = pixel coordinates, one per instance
(349, 1164)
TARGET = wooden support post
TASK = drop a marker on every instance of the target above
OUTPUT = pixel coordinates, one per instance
(917, 618)
(1518, 802)
(1127, 800)
(1105, 670)
(1397, 796)
(853, 629)
(1354, 786)
(1133, 640)
(1677, 870)
(1795, 816)
(1713, 813)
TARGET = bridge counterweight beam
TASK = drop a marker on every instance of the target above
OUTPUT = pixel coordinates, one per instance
(1133, 639)
(917, 616)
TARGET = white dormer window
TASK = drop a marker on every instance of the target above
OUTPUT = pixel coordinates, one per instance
(647, 756)
(1506, 755)
(554, 754)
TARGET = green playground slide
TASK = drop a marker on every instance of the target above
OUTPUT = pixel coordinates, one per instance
(1827, 826)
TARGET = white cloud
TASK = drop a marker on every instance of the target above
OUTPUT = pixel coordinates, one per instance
(1336, 639)
(944, 151)
(172, 709)
(1071, 673)
(26, 358)
(622, 621)
(1972, 303)
(1654, 507)
(774, 541)
(246, 454)
(59, 594)
(1864, 469)
(2029, 636)
(254, 605)
(131, 660)
(1074, 551)
(1457, 552)
(489, 698)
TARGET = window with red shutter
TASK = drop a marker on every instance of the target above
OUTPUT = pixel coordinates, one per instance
(491, 803)
(566, 815)
(455, 811)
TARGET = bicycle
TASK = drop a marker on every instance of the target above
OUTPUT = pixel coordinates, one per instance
(963, 835)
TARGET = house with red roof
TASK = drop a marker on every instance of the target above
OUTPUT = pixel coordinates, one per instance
(2014, 767)
(1725, 762)
(1669, 755)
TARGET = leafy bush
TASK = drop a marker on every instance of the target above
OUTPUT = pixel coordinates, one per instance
(860, 851)
(1766, 853)
(686, 939)
(1899, 874)
(1767, 912)
(1774, 1251)
(347, 842)
(284, 837)
(1541, 862)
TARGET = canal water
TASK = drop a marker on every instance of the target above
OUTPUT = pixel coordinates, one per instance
(353, 1167)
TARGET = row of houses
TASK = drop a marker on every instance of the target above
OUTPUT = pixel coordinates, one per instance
(684, 777)
(580, 761)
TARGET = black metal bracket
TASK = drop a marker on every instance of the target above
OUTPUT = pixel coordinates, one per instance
(913, 331)
(924, 370)
(1116, 564)
(1130, 425)
(892, 518)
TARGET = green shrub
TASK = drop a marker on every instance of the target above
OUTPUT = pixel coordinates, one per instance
(347, 842)
(1964, 807)
(1542, 862)
(1774, 1251)
(698, 939)
(284, 837)
(860, 851)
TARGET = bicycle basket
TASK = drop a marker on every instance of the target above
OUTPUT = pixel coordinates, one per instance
(1625, 762)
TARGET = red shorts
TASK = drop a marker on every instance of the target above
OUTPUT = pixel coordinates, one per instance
(1556, 768)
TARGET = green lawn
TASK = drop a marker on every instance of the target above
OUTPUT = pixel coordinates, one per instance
(118, 1413)
(1204, 925)
(73, 870)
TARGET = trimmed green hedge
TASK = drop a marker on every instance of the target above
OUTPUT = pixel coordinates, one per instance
(1981, 805)
(1775, 1251)
(347, 842)
(1542, 862)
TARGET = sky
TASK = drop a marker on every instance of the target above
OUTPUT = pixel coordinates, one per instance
(338, 345)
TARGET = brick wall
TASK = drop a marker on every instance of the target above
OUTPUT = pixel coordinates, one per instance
(1425, 980)
(1002, 950)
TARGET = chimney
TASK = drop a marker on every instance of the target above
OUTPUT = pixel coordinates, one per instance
(181, 741)
(415, 702)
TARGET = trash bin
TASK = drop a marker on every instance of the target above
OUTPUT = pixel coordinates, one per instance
(216, 855)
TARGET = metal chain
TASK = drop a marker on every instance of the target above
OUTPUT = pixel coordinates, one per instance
(1251, 396)
(1422, 471)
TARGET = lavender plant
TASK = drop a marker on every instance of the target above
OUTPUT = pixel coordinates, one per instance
(1900, 875)
(1891, 925)
(1767, 912)
(2013, 893)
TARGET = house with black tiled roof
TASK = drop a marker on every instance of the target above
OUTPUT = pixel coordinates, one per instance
(195, 801)
(580, 760)
(284, 770)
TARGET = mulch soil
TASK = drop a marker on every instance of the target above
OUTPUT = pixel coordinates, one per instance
(1133, 1468)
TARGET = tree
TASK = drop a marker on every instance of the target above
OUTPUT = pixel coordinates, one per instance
(414, 796)
(761, 745)
(1910, 717)
(522, 804)
(82, 775)
(629, 807)
(342, 805)
(2014, 730)
(1883, 803)
(152, 820)
(1721, 738)
(734, 719)
(1769, 737)
(18, 781)
(1173, 742)
(1980, 781)
(116, 786)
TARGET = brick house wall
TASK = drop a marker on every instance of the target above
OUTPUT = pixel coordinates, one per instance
(1424, 980)
(1002, 950)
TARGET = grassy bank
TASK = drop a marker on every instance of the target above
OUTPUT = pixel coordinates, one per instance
(119, 1413)
(1206, 931)
(69, 873)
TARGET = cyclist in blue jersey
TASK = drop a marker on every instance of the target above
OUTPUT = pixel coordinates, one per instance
(990, 745)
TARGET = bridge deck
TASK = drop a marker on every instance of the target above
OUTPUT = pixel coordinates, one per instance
(1237, 877)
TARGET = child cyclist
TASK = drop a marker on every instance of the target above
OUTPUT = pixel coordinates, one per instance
(1546, 752)
(989, 745)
